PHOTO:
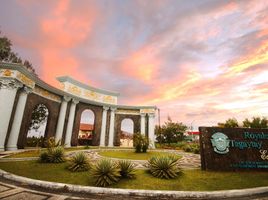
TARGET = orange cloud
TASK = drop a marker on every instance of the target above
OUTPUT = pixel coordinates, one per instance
(56, 64)
(141, 65)
(173, 89)
(263, 32)
(258, 57)
(63, 29)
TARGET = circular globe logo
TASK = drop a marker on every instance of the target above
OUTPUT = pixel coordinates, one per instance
(220, 143)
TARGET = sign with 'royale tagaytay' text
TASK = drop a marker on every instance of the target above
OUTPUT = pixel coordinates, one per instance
(233, 148)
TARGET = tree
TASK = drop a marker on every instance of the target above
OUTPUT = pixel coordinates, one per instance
(39, 116)
(256, 122)
(5, 48)
(229, 123)
(7, 55)
(246, 123)
(170, 132)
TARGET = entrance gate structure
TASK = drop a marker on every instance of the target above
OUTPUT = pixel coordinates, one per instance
(21, 91)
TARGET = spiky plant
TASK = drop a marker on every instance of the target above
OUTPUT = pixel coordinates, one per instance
(43, 157)
(56, 155)
(51, 143)
(105, 173)
(165, 167)
(126, 169)
(79, 162)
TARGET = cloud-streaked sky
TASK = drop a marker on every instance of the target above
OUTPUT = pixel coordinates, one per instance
(199, 61)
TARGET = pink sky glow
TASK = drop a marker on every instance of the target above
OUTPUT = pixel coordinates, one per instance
(199, 61)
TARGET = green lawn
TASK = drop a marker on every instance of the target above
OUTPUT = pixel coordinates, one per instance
(36, 152)
(26, 154)
(132, 155)
(190, 180)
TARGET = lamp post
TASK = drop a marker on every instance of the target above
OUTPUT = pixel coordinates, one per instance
(192, 130)
(159, 126)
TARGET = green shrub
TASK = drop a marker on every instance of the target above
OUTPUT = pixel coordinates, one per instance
(79, 162)
(105, 173)
(196, 150)
(35, 141)
(56, 155)
(144, 148)
(44, 157)
(192, 147)
(165, 167)
(178, 145)
(141, 143)
(126, 169)
(187, 148)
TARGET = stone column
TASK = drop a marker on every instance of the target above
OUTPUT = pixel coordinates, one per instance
(143, 123)
(103, 126)
(151, 129)
(16, 124)
(70, 124)
(8, 90)
(61, 119)
(111, 129)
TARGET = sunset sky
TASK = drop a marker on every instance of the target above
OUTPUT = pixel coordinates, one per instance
(199, 61)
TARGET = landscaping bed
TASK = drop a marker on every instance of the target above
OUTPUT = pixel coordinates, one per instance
(189, 180)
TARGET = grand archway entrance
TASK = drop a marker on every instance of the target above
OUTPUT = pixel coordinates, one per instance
(21, 92)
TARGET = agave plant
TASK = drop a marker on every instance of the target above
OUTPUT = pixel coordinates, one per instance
(56, 155)
(164, 166)
(51, 143)
(105, 173)
(43, 157)
(79, 162)
(126, 169)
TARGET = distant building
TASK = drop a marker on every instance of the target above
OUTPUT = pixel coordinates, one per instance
(192, 135)
(86, 131)
(85, 134)
(126, 139)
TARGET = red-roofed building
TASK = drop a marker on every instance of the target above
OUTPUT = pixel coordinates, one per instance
(194, 135)
(85, 131)
(86, 127)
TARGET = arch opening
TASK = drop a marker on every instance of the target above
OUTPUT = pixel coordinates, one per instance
(126, 133)
(37, 129)
(86, 128)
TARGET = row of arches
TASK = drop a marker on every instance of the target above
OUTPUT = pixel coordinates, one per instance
(39, 118)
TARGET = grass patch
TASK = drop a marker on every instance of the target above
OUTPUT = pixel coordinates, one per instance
(27, 154)
(46, 171)
(36, 152)
(132, 155)
(190, 180)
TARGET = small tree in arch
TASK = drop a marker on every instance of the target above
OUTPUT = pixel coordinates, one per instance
(39, 116)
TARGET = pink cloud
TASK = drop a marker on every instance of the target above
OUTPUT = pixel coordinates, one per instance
(62, 29)
(141, 64)
(169, 63)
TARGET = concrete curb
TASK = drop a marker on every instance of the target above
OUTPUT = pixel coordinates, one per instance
(134, 194)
